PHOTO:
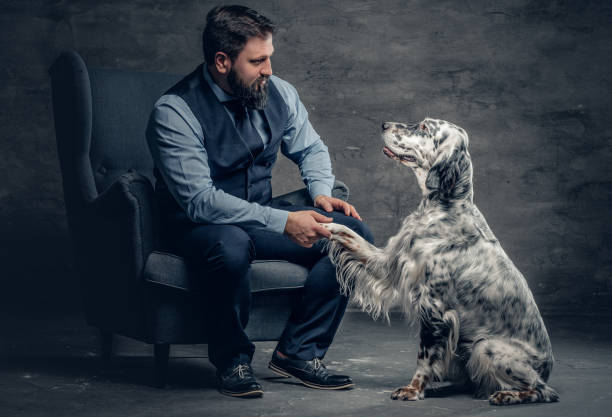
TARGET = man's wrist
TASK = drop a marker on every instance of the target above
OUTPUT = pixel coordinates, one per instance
(317, 189)
(278, 220)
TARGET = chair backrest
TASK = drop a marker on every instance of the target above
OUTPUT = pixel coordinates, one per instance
(122, 101)
(100, 120)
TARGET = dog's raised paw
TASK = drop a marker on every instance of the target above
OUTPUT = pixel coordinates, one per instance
(336, 228)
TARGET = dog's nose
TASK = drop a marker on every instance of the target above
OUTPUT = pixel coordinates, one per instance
(386, 125)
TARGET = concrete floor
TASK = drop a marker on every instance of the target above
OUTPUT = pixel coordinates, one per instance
(49, 367)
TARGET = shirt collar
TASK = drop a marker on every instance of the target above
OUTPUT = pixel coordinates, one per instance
(221, 95)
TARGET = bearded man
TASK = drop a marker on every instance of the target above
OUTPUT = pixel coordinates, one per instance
(214, 137)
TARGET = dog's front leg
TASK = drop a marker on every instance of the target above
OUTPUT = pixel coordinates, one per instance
(360, 248)
(432, 357)
(416, 389)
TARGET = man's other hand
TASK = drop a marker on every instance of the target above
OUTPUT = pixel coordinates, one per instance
(330, 204)
(304, 229)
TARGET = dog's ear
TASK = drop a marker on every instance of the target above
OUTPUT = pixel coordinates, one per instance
(447, 172)
(433, 178)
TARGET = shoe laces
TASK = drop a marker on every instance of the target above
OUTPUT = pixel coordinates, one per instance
(240, 369)
(316, 362)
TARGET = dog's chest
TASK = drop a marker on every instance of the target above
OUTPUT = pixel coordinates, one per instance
(427, 232)
(433, 245)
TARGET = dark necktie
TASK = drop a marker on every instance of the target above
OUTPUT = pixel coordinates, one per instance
(245, 127)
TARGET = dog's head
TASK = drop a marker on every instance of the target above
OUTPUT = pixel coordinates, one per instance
(437, 152)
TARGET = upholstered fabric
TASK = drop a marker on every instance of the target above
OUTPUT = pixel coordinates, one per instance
(166, 269)
(122, 101)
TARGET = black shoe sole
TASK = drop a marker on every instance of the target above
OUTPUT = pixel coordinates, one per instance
(248, 394)
(284, 373)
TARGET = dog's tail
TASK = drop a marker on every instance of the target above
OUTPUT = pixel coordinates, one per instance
(548, 393)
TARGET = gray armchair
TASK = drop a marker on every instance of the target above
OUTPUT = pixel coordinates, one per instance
(131, 284)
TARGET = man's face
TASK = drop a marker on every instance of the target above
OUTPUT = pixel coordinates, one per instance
(248, 76)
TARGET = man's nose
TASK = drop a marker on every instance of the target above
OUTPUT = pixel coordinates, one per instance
(267, 69)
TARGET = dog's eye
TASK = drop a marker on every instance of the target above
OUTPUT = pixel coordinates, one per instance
(423, 127)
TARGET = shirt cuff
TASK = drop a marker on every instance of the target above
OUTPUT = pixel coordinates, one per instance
(277, 220)
(319, 188)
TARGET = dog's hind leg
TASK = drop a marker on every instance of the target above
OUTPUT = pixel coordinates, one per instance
(438, 342)
(506, 369)
(541, 393)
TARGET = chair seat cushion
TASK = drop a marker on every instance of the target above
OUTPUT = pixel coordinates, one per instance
(167, 269)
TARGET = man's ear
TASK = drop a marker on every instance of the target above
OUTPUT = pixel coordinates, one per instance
(223, 63)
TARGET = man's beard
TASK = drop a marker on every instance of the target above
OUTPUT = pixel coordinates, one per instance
(254, 96)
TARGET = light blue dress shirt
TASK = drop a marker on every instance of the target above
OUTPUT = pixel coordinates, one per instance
(176, 141)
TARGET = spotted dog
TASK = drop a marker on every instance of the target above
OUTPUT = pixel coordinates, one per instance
(445, 268)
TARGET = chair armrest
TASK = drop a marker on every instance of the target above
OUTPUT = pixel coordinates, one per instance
(302, 198)
(123, 221)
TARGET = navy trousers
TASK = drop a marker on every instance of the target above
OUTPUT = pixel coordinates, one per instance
(222, 255)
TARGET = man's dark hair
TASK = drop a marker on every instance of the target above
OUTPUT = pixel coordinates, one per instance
(228, 28)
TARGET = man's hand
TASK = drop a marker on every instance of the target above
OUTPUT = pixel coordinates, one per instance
(330, 204)
(304, 229)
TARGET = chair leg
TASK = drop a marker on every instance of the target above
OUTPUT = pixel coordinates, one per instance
(162, 355)
(106, 344)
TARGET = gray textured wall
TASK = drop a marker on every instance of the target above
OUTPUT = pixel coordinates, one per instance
(529, 80)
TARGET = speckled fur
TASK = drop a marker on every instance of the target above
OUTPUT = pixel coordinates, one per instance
(448, 272)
